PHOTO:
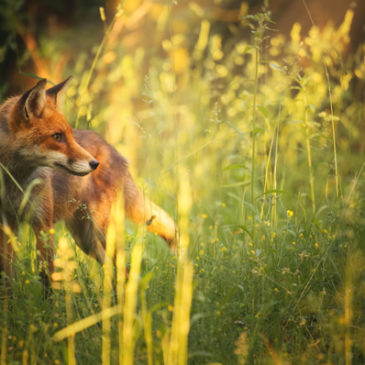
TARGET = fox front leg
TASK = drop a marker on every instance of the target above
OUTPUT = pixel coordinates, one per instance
(45, 253)
(43, 229)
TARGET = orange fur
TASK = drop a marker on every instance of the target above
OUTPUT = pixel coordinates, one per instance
(36, 142)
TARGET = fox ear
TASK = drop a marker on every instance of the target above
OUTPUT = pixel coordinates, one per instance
(33, 101)
(53, 91)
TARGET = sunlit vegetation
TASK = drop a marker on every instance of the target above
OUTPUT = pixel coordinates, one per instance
(256, 147)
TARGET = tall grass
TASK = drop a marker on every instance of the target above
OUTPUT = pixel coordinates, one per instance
(64, 276)
(250, 145)
(178, 335)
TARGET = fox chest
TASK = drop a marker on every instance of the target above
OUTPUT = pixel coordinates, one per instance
(24, 202)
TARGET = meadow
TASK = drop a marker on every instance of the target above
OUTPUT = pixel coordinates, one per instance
(256, 147)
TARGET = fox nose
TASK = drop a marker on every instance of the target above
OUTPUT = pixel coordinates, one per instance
(94, 164)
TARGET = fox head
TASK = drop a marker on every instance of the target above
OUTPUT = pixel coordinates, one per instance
(42, 135)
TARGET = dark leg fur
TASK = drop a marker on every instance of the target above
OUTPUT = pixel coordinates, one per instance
(88, 237)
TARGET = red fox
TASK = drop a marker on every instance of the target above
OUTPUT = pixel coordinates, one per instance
(80, 175)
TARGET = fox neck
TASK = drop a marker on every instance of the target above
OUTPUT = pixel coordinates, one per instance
(13, 165)
(15, 170)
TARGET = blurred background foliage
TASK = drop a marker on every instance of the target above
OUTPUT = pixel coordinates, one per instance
(133, 59)
(173, 43)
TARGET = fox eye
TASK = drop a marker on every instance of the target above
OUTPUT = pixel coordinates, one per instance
(59, 137)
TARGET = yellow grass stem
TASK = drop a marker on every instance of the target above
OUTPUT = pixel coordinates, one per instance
(118, 221)
(27, 346)
(266, 182)
(184, 206)
(253, 151)
(130, 304)
(85, 323)
(25, 356)
(177, 348)
(309, 159)
(107, 291)
(70, 339)
(203, 39)
(274, 196)
(13, 240)
(66, 254)
(147, 324)
(333, 132)
(115, 244)
(309, 155)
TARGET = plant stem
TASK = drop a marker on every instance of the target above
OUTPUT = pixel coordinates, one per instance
(274, 196)
(333, 133)
(309, 158)
(253, 152)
